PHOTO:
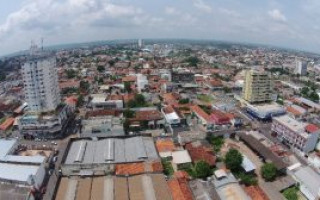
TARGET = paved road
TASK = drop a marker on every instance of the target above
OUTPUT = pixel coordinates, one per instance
(267, 187)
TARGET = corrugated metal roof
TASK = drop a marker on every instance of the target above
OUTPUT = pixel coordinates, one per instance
(132, 149)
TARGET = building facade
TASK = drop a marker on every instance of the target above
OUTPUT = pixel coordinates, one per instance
(301, 67)
(257, 87)
(298, 135)
(41, 83)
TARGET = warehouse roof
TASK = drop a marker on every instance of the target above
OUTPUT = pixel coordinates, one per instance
(111, 150)
(16, 172)
(142, 187)
(7, 147)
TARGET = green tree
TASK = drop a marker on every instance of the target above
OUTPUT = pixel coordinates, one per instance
(305, 91)
(192, 61)
(80, 100)
(202, 169)
(269, 171)
(139, 98)
(217, 143)
(101, 68)
(184, 101)
(128, 113)
(111, 62)
(127, 87)
(314, 96)
(291, 193)
(233, 160)
(84, 85)
(70, 73)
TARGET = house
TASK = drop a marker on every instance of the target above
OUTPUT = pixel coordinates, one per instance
(170, 115)
(201, 151)
(181, 159)
(148, 118)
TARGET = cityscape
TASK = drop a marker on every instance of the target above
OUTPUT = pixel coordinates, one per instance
(158, 119)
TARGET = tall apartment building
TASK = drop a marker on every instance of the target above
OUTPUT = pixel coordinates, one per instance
(301, 67)
(299, 135)
(257, 87)
(41, 83)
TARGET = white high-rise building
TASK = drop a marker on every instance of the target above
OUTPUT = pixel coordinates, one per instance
(301, 67)
(41, 83)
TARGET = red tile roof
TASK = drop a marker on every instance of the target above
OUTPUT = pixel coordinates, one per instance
(69, 84)
(148, 115)
(256, 193)
(311, 128)
(219, 117)
(196, 109)
(200, 152)
(293, 111)
(129, 78)
(6, 124)
(138, 168)
(128, 97)
(168, 109)
(180, 189)
(165, 144)
(216, 83)
(96, 113)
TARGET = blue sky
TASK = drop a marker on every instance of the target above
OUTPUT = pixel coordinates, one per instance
(285, 23)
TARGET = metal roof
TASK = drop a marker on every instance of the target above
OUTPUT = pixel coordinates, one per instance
(16, 172)
(111, 150)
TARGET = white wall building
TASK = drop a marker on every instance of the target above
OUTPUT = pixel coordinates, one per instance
(299, 135)
(41, 83)
(142, 81)
(301, 67)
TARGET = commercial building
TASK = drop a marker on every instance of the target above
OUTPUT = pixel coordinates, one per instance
(46, 125)
(98, 156)
(142, 187)
(299, 135)
(26, 171)
(257, 87)
(101, 101)
(182, 75)
(104, 126)
(265, 111)
(41, 83)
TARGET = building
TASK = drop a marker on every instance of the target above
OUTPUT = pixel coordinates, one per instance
(103, 126)
(171, 115)
(41, 83)
(142, 187)
(257, 87)
(308, 180)
(182, 76)
(265, 111)
(301, 67)
(299, 135)
(227, 186)
(46, 125)
(201, 151)
(98, 156)
(26, 171)
(101, 101)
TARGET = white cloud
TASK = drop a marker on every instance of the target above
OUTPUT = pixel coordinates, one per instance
(276, 15)
(171, 11)
(202, 6)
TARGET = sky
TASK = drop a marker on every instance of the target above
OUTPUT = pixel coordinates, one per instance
(285, 23)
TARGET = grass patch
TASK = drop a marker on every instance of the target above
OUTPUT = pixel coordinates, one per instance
(205, 98)
(291, 193)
